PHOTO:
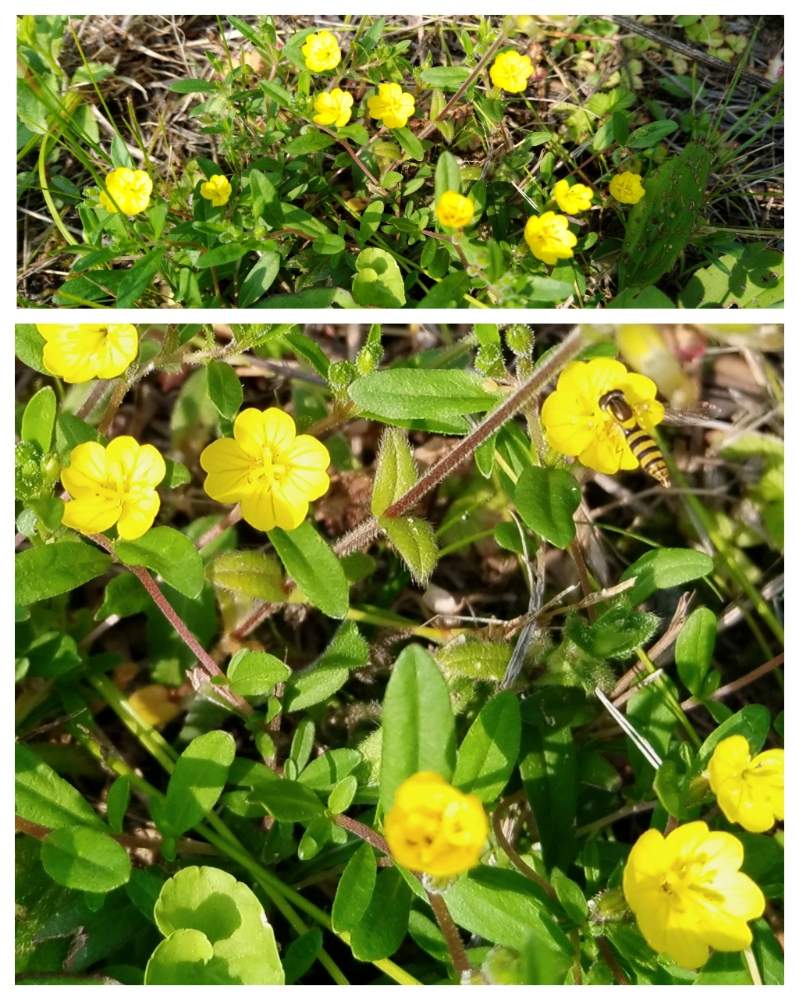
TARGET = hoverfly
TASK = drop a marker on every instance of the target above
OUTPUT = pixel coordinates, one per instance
(641, 444)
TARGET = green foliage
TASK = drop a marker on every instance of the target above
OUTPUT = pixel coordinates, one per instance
(83, 858)
(170, 554)
(488, 753)
(418, 724)
(215, 933)
(355, 889)
(196, 782)
(664, 568)
(313, 567)
(547, 500)
(46, 571)
(378, 280)
(662, 223)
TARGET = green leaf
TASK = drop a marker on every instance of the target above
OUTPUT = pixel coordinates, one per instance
(370, 220)
(651, 134)
(418, 723)
(414, 393)
(48, 570)
(341, 796)
(616, 633)
(138, 279)
(548, 769)
(409, 143)
(547, 500)
(378, 280)
(180, 959)
(44, 797)
(205, 902)
(254, 674)
(117, 802)
(348, 651)
(28, 346)
(224, 388)
(415, 540)
(488, 753)
(301, 954)
(504, 907)
(38, 419)
(445, 78)
(660, 569)
(693, 651)
(170, 554)
(80, 857)
(228, 253)
(197, 782)
(385, 923)
(313, 141)
(752, 722)
(355, 889)
(259, 278)
(661, 224)
(310, 562)
(323, 772)
(395, 470)
(192, 86)
(248, 572)
(288, 801)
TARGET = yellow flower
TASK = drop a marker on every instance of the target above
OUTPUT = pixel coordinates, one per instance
(391, 105)
(572, 198)
(688, 894)
(321, 52)
(434, 828)
(627, 188)
(216, 190)
(78, 352)
(127, 191)
(454, 210)
(333, 107)
(749, 791)
(113, 485)
(510, 71)
(575, 423)
(549, 238)
(267, 468)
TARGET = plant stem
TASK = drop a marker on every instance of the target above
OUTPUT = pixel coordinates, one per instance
(206, 661)
(457, 952)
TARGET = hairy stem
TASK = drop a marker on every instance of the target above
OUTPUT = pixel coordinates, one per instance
(451, 936)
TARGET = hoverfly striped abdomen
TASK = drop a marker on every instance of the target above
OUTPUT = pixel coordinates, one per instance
(641, 444)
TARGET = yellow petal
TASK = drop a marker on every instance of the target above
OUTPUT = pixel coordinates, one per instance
(258, 509)
(228, 467)
(150, 467)
(138, 515)
(119, 349)
(88, 467)
(290, 505)
(91, 514)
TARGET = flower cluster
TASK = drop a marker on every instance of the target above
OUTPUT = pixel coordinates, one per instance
(576, 424)
(688, 893)
(547, 235)
(433, 828)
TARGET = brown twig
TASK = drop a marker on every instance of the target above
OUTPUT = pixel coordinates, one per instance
(208, 664)
(185, 846)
